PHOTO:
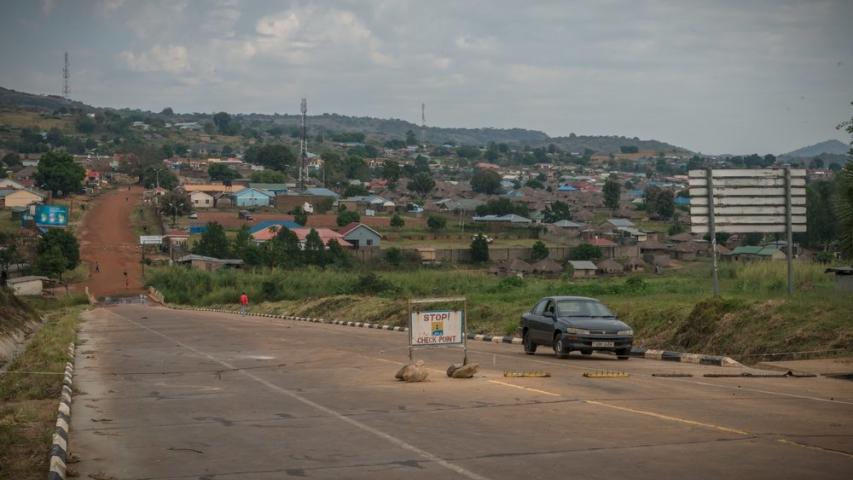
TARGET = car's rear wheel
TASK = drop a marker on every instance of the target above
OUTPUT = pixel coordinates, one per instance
(529, 346)
(560, 346)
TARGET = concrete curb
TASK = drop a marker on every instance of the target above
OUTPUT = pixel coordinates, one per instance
(59, 448)
(680, 357)
(664, 355)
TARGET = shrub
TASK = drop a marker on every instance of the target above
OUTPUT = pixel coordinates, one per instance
(371, 284)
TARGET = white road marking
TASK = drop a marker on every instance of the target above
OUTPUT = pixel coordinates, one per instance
(379, 433)
(804, 397)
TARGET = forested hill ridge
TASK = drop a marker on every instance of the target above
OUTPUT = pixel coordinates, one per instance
(832, 147)
(334, 125)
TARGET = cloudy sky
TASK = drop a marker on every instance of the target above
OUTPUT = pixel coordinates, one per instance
(712, 76)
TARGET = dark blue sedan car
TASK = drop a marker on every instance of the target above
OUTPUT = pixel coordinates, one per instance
(569, 324)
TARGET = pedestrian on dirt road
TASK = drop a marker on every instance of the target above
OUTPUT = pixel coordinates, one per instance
(244, 303)
(97, 267)
(126, 280)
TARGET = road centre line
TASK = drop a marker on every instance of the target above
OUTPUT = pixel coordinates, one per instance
(525, 388)
(667, 417)
(379, 433)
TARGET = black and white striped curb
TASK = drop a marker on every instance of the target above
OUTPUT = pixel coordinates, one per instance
(651, 354)
(378, 326)
(59, 449)
(681, 357)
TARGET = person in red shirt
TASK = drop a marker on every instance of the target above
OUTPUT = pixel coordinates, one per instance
(244, 303)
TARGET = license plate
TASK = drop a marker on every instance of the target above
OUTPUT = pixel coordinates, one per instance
(602, 344)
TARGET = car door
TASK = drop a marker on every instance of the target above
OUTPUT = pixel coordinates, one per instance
(539, 324)
(549, 322)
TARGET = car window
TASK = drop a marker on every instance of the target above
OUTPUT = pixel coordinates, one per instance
(540, 307)
(582, 308)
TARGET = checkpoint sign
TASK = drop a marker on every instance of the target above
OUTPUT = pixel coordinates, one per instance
(437, 327)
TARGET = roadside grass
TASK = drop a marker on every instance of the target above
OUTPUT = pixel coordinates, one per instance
(674, 311)
(29, 400)
(145, 221)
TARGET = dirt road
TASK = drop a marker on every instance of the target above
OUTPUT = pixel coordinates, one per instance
(107, 241)
(191, 395)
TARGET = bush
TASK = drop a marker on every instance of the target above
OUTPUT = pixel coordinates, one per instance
(346, 217)
(540, 251)
(371, 284)
(436, 223)
(394, 256)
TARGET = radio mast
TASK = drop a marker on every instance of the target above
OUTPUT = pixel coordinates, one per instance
(66, 75)
(423, 124)
(303, 148)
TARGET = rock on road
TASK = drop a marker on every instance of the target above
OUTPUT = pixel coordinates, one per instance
(165, 394)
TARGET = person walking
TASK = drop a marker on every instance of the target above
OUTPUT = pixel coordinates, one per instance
(244, 303)
(97, 267)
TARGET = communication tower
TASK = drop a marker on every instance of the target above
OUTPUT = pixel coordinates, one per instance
(66, 75)
(303, 147)
(423, 124)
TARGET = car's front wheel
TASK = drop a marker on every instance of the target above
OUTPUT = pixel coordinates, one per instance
(529, 346)
(560, 346)
(623, 354)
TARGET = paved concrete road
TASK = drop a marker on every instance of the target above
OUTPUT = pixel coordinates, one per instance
(165, 394)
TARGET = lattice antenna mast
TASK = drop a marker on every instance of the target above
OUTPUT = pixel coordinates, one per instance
(66, 75)
(303, 147)
(423, 124)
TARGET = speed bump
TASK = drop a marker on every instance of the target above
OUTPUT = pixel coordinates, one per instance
(605, 374)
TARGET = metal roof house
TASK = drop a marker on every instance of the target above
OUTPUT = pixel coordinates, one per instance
(510, 218)
(265, 224)
(360, 235)
(251, 197)
(582, 268)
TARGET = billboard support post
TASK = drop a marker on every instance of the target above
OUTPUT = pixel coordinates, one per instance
(712, 230)
(789, 234)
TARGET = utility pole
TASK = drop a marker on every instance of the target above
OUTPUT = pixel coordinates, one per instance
(423, 125)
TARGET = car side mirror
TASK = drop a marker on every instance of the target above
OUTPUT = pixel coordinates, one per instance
(549, 314)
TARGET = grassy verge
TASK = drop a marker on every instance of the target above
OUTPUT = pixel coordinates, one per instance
(673, 311)
(29, 401)
(145, 221)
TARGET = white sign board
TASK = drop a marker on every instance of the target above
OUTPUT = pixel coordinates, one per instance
(437, 327)
(747, 200)
(150, 239)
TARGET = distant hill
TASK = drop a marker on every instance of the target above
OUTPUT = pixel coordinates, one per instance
(374, 128)
(46, 103)
(833, 147)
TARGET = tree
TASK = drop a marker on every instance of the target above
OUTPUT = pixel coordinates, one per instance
(422, 184)
(242, 242)
(468, 152)
(822, 224)
(12, 160)
(84, 124)
(55, 137)
(659, 203)
(844, 203)
(486, 181)
(479, 249)
(219, 172)
(315, 250)
(57, 172)
(213, 242)
(502, 206)
(355, 190)
(167, 112)
(391, 170)
(556, 211)
(612, 190)
(346, 217)
(57, 251)
(585, 251)
(533, 183)
(300, 216)
(175, 203)
(397, 221)
(394, 256)
(436, 223)
(225, 124)
(276, 157)
(152, 175)
(411, 139)
(540, 251)
(285, 250)
(337, 256)
(268, 176)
